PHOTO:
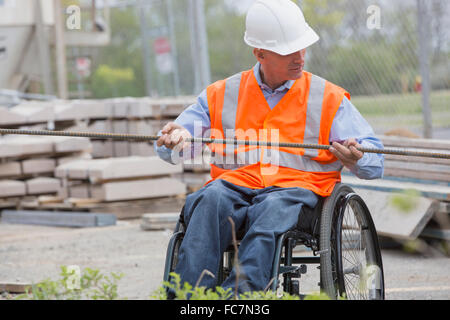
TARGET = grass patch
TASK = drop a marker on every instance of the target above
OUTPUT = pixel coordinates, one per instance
(401, 104)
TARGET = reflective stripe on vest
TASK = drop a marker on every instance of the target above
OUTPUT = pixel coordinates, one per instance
(234, 161)
(290, 160)
(313, 114)
(230, 103)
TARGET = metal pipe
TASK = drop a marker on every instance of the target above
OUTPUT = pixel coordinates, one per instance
(137, 137)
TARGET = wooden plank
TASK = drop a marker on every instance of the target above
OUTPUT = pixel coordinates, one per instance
(101, 126)
(436, 172)
(121, 149)
(71, 144)
(389, 157)
(422, 175)
(10, 169)
(13, 287)
(19, 146)
(64, 111)
(159, 221)
(43, 185)
(392, 222)
(12, 188)
(35, 111)
(135, 108)
(173, 106)
(142, 149)
(9, 118)
(34, 166)
(138, 189)
(92, 109)
(439, 192)
(59, 219)
(130, 209)
(136, 208)
(74, 157)
(98, 170)
(75, 170)
(9, 149)
(403, 142)
(145, 127)
(127, 167)
(102, 149)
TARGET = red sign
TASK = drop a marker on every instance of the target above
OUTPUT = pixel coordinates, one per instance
(161, 45)
(83, 66)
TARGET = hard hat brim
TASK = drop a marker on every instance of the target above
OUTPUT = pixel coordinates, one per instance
(307, 39)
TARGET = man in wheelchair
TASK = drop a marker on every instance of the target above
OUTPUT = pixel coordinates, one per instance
(263, 189)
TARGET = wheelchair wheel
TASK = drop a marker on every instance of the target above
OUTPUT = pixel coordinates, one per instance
(172, 251)
(351, 264)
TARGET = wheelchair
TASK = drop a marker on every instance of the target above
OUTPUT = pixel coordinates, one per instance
(342, 237)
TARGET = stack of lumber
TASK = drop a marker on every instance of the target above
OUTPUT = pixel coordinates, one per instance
(427, 178)
(120, 182)
(27, 163)
(142, 116)
(127, 115)
(119, 115)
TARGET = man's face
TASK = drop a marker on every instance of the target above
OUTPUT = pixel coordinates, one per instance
(278, 68)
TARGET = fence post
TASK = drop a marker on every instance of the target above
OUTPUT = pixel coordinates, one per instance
(424, 35)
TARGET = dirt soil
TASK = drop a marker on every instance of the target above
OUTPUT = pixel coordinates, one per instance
(33, 253)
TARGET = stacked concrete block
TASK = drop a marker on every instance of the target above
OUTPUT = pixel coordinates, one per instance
(120, 179)
(35, 112)
(27, 163)
(8, 118)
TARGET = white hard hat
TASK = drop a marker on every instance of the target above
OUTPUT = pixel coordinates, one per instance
(278, 26)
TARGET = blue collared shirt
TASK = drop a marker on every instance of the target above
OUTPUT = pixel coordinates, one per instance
(347, 123)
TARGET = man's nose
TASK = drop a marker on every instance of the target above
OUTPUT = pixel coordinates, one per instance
(299, 56)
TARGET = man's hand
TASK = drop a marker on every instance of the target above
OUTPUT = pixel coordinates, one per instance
(347, 152)
(174, 136)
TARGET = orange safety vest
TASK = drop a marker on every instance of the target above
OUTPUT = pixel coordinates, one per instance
(238, 110)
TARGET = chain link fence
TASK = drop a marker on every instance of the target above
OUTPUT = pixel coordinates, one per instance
(392, 56)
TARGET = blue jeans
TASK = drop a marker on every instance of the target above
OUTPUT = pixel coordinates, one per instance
(265, 214)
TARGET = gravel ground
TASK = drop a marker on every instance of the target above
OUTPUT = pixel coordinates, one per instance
(33, 253)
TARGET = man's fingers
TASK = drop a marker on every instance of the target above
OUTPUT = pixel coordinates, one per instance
(338, 154)
(170, 127)
(173, 136)
(358, 154)
(161, 140)
(341, 150)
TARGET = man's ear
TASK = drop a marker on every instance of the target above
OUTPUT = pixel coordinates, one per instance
(259, 54)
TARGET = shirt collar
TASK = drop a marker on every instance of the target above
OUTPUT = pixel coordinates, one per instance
(285, 86)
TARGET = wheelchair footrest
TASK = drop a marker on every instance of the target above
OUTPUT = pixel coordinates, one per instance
(293, 271)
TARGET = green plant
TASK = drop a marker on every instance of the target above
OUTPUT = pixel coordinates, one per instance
(186, 291)
(405, 201)
(89, 285)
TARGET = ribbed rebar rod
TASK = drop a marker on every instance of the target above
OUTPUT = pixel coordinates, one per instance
(136, 137)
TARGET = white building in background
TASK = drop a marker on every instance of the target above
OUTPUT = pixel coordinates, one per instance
(19, 33)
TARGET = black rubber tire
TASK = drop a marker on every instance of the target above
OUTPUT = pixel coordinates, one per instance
(332, 275)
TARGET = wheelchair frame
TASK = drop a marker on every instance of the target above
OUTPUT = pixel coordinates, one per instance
(321, 229)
